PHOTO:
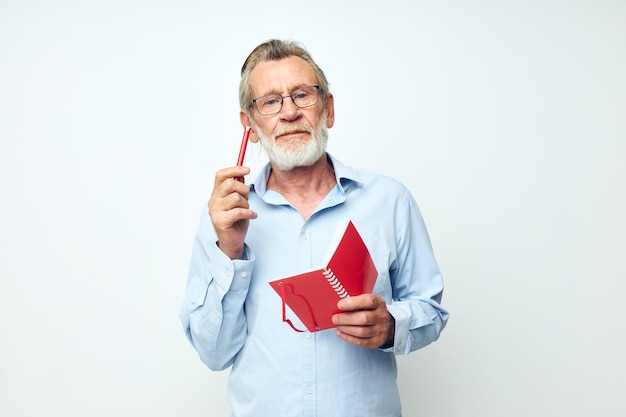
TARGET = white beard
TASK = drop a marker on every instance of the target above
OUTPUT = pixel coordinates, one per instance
(296, 153)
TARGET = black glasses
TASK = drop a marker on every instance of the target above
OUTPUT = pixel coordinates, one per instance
(271, 104)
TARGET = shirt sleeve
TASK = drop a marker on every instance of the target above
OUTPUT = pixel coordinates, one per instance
(417, 284)
(212, 312)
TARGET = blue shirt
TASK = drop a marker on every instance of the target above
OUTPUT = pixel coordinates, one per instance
(232, 316)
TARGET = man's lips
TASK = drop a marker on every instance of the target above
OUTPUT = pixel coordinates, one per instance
(291, 133)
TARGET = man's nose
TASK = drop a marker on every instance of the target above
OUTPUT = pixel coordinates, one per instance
(289, 111)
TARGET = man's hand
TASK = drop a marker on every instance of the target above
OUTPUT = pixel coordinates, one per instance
(229, 210)
(365, 321)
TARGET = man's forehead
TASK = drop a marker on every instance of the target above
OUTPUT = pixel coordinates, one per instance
(281, 75)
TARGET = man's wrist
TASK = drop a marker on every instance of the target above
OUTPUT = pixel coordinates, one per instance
(391, 333)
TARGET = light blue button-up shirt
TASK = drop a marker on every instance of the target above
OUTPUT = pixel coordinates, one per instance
(232, 316)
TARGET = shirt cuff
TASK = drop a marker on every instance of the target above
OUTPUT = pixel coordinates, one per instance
(232, 275)
(401, 331)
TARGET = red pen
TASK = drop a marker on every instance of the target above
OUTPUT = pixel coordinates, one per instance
(242, 149)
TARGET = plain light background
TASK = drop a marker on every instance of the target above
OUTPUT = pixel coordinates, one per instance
(506, 119)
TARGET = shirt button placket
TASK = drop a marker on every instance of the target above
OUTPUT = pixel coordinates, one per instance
(308, 354)
(309, 368)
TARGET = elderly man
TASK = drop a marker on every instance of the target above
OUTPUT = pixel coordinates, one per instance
(281, 224)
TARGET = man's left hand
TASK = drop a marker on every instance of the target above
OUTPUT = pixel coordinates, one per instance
(365, 321)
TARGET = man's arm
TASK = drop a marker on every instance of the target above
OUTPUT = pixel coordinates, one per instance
(407, 314)
(212, 312)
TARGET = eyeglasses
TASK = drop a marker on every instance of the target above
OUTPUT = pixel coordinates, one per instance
(271, 104)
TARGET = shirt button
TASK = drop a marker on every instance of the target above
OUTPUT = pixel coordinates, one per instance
(309, 389)
(218, 314)
(308, 335)
(244, 274)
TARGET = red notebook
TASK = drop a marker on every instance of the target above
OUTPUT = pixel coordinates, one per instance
(313, 295)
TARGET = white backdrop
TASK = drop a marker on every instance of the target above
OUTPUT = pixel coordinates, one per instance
(505, 119)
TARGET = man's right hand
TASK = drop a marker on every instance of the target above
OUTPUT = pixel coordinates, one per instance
(229, 210)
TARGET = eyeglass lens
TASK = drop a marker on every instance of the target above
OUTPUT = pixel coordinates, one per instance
(273, 103)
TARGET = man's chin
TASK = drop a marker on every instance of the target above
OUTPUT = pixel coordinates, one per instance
(288, 163)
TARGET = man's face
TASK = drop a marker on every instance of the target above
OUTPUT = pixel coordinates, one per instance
(294, 136)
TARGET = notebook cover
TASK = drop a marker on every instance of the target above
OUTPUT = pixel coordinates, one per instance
(312, 296)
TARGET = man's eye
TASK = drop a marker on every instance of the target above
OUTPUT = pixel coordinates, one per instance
(300, 95)
(272, 101)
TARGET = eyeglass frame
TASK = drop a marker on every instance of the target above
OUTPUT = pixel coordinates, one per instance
(282, 99)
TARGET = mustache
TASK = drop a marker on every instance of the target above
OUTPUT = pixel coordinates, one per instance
(293, 128)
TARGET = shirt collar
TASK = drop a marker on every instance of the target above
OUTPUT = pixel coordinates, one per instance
(347, 177)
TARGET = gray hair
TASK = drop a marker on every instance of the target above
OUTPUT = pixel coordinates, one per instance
(275, 50)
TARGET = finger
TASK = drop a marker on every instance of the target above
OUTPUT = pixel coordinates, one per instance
(361, 331)
(361, 318)
(360, 336)
(361, 302)
(228, 202)
(229, 173)
(228, 187)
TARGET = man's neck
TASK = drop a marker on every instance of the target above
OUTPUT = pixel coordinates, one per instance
(304, 187)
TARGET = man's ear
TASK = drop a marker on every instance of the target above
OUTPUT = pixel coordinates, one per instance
(330, 111)
(245, 122)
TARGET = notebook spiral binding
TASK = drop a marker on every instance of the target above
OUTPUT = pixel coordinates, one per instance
(334, 282)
